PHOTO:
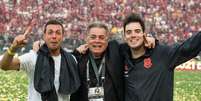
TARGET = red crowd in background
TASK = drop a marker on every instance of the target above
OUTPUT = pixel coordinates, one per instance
(169, 20)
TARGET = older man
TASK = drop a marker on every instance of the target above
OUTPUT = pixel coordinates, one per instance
(101, 68)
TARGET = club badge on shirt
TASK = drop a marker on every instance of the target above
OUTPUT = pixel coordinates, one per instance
(147, 63)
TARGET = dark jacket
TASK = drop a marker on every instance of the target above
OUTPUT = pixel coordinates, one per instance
(151, 76)
(114, 89)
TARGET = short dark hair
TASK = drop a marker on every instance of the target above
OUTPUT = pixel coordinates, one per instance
(133, 17)
(54, 22)
(98, 25)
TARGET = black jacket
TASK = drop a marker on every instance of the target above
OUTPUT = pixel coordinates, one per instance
(151, 77)
(114, 89)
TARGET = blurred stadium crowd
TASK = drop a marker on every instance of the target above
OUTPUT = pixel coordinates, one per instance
(169, 20)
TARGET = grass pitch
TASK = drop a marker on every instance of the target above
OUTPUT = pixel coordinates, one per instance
(187, 86)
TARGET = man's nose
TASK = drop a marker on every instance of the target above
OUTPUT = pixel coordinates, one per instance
(96, 39)
(54, 35)
(133, 34)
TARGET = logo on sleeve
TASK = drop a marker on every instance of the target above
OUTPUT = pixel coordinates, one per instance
(125, 70)
(147, 63)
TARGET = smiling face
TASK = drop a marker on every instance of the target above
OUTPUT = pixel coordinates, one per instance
(97, 40)
(53, 37)
(133, 35)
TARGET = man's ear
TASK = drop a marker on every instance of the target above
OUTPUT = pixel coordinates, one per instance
(108, 35)
(123, 36)
(43, 36)
(145, 34)
(86, 38)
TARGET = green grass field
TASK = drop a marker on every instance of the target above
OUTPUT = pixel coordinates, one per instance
(13, 86)
(187, 86)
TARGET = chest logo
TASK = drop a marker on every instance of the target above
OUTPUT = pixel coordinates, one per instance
(147, 63)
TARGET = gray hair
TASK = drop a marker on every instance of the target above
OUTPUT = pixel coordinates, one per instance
(97, 25)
